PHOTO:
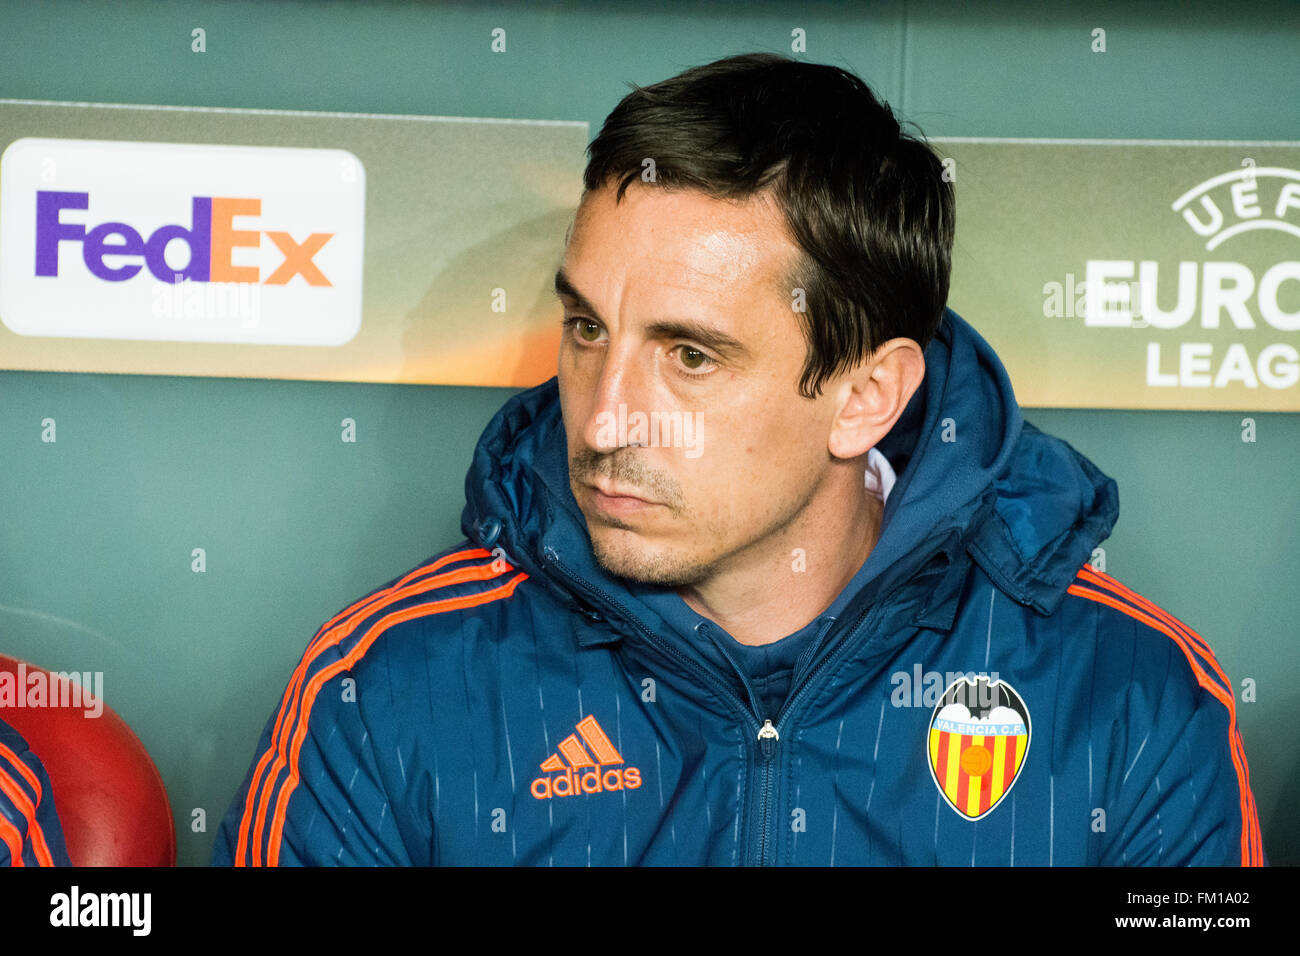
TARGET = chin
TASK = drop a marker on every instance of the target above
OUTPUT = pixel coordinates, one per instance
(626, 557)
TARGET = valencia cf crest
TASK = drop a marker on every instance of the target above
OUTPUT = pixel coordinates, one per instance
(978, 741)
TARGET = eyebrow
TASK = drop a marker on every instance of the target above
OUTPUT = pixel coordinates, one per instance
(712, 338)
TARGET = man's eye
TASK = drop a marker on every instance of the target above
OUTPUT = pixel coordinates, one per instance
(585, 327)
(693, 358)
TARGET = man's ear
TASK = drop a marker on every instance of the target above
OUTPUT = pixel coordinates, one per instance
(873, 396)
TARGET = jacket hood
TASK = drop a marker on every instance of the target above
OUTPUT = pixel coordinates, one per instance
(972, 475)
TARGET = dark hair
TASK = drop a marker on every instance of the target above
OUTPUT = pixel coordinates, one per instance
(868, 206)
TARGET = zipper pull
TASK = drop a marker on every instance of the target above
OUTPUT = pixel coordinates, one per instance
(767, 738)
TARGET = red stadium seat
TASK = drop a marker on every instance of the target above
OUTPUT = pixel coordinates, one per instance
(111, 800)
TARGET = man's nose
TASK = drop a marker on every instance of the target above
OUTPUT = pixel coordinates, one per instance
(621, 390)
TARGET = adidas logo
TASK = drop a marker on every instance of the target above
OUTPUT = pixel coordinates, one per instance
(591, 769)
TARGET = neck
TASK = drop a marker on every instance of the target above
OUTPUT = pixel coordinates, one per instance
(763, 595)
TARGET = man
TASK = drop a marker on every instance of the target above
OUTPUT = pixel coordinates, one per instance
(30, 834)
(772, 572)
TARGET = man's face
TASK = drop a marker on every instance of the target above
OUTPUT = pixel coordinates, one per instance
(758, 451)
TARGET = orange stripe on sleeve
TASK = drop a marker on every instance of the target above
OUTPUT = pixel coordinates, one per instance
(1250, 841)
(358, 651)
(24, 770)
(331, 633)
(10, 788)
(1092, 576)
(290, 693)
(469, 554)
(1088, 573)
(342, 631)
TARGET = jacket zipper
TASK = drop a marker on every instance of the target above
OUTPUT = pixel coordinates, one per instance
(767, 740)
(770, 734)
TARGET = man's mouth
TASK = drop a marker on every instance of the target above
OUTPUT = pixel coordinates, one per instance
(616, 500)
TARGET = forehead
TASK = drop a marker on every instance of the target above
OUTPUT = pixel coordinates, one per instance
(658, 241)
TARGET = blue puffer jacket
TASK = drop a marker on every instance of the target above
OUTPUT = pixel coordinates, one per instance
(984, 698)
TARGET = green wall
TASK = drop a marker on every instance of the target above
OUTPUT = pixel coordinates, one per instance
(96, 530)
